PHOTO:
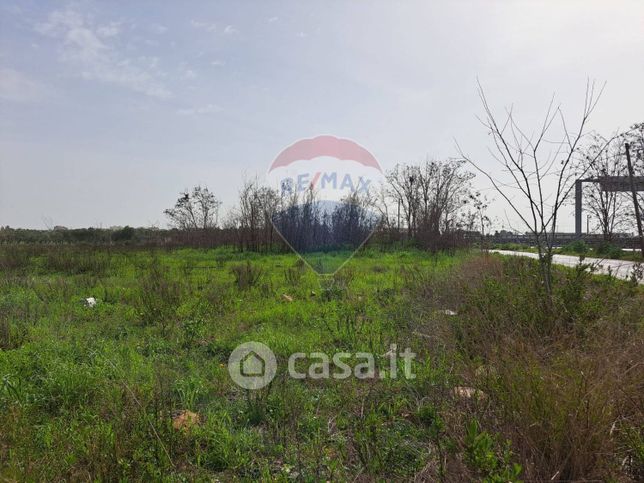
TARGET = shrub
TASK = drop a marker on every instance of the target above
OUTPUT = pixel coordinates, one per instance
(76, 261)
(333, 289)
(5, 333)
(345, 275)
(384, 446)
(159, 294)
(124, 234)
(16, 257)
(556, 377)
(608, 250)
(577, 247)
(482, 453)
(246, 275)
(293, 275)
(516, 247)
(12, 335)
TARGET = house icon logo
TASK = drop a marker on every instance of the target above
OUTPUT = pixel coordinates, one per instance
(252, 365)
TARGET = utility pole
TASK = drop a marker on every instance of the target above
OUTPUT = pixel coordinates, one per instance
(398, 217)
(578, 199)
(638, 217)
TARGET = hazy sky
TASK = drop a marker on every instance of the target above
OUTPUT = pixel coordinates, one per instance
(109, 109)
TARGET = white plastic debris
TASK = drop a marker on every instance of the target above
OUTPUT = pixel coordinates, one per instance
(448, 312)
(90, 302)
(469, 393)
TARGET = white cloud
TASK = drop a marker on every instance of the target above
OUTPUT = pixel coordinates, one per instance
(207, 26)
(207, 109)
(189, 74)
(17, 87)
(218, 63)
(273, 19)
(158, 28)
(213, 27)
(79, 41)
(86, 46)
(230, 30)
(110, 30)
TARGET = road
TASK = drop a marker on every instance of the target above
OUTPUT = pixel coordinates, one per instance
(619, 268)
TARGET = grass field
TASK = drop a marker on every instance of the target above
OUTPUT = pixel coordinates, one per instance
(506, 388)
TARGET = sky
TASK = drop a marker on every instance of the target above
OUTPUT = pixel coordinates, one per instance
(109, 109)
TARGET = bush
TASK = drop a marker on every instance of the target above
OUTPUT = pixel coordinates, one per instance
(578, 247)
(12, 335)
(75, 261)
(16, 257)
(558, 379)
(293, 275)
(124, 234)
(246, 275)
(483, 455)
(608, 250)
(516, 247)
(159, 294)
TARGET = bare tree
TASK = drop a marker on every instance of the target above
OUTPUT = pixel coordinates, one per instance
(445, 189)
(635, 138)
(541, 169)
(195, 210)
(599, 159)
(252, 217)
(429, 195)
(475, 217)
(402, 188)
(382, 205)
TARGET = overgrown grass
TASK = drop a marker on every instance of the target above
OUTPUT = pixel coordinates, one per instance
(563, 383)
(506, 389)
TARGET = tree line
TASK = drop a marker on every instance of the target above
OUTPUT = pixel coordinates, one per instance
(431, 204)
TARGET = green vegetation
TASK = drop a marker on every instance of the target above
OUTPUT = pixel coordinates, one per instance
(507, 387)
(603, 250)
(578, 247)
